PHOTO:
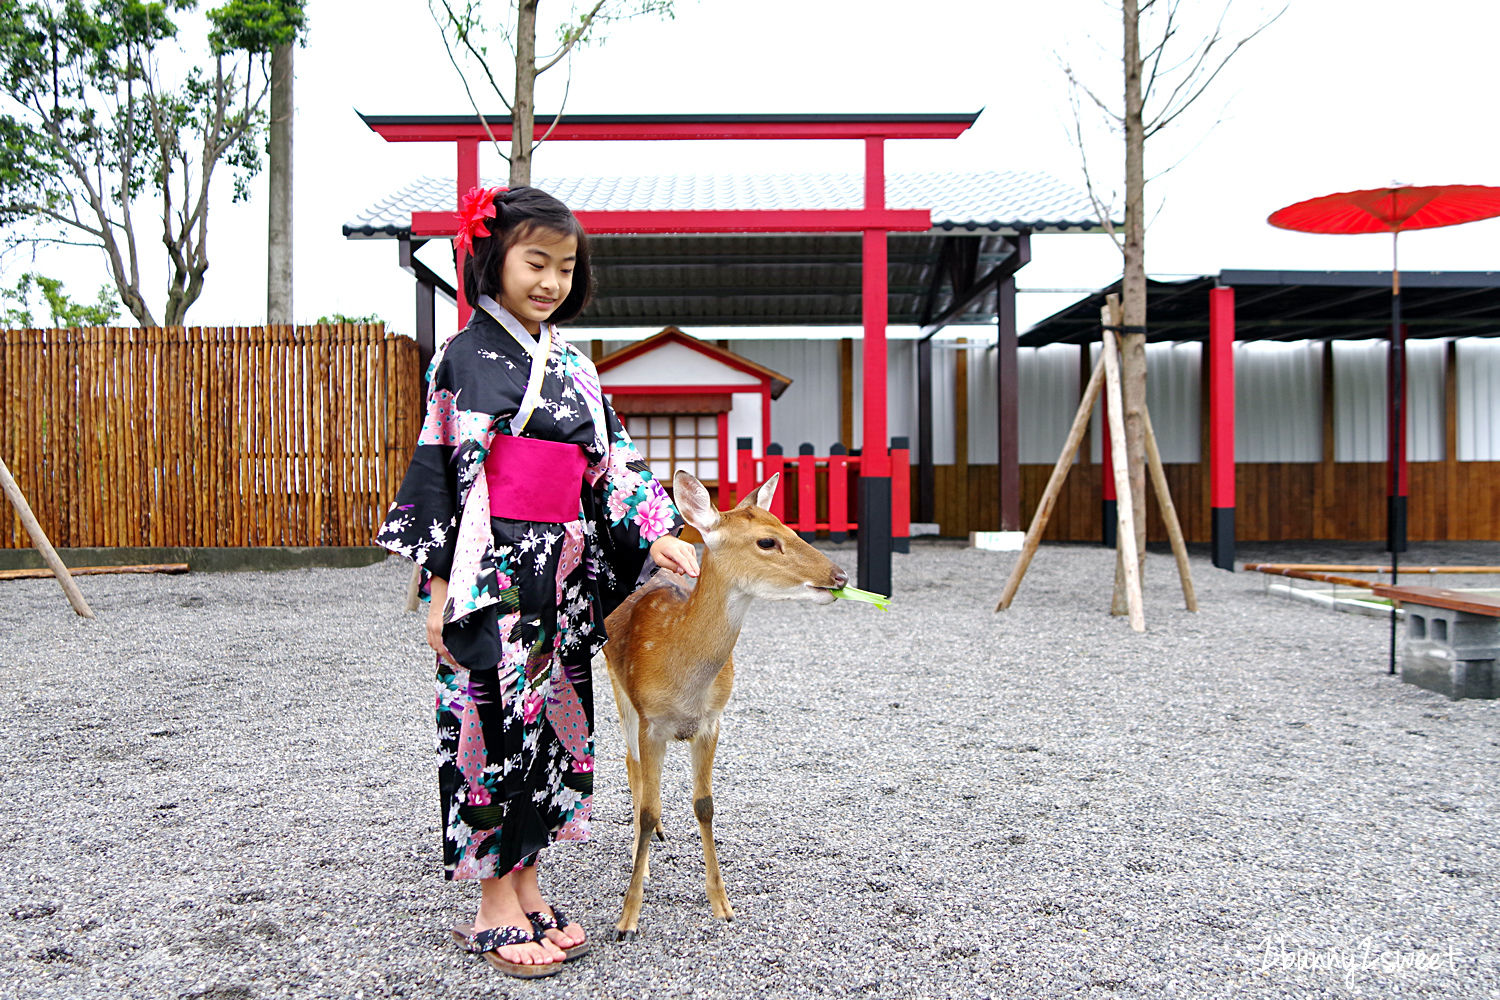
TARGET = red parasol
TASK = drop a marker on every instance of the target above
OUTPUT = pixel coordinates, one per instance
(1392, 210)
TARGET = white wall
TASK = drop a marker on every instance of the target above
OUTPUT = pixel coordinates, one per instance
(675, 364)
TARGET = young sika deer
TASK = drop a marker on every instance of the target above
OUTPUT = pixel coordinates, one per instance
(670, 657)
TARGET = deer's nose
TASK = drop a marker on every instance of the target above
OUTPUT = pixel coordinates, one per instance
(839, 578)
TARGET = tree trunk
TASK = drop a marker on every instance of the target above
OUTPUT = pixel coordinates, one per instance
(279, 225)
(523, 112)
(1133, 344)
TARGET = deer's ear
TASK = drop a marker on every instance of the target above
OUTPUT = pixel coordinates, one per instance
(763, 494)
(693, 502)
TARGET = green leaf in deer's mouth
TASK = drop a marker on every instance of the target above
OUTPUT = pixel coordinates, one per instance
(855, 594)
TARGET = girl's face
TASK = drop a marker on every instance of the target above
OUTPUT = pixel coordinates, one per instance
(537, 275)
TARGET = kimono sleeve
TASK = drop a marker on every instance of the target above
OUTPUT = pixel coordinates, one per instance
(636, 511)
(422, 523)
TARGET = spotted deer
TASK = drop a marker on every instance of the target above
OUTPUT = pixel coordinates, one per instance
(670, 657)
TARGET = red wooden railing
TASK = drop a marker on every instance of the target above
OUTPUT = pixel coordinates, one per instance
(821, 482)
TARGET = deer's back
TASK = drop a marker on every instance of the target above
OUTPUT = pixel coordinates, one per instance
(647, 615)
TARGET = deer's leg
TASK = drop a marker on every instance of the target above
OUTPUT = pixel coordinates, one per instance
(704, 745)
(630, 730)
(647, 815)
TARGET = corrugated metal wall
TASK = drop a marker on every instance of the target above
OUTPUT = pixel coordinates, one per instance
(809, 408)
(1359, 400)
(1277, 409)
(1478, 400)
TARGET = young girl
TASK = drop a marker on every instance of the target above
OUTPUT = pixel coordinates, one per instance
(531, 514)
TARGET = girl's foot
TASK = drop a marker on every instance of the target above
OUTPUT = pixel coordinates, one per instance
(564, 933)
(499, 906)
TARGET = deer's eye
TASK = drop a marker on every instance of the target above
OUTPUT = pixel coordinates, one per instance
(766, 543)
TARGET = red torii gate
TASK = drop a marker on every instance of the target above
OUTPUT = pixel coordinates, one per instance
(874, 220)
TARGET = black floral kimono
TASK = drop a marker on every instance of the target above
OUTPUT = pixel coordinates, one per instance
(526, 600)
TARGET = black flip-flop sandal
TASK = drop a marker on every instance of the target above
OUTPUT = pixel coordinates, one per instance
(486, 944)
(557, 920)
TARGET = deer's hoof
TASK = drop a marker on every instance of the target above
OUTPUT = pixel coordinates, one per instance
(625, 935)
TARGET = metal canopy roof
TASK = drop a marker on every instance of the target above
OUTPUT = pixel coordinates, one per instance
(1298, 305)
(777, 279)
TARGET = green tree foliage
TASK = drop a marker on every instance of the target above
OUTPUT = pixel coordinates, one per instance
(95, 127)
(20, 304)
(338, 318)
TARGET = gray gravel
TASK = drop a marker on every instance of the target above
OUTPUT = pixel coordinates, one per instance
(224, 789)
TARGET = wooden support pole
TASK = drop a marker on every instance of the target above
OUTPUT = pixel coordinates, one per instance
(1169, 513)
(1054, 485)
(39, 539)
(32, 574)
(414, 588)
(1126, 534)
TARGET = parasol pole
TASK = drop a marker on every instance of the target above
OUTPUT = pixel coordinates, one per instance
(1397, 429)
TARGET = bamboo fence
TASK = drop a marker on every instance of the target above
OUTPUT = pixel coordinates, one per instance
(234, 436)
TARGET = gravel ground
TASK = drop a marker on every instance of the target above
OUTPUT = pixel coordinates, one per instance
(224, 789)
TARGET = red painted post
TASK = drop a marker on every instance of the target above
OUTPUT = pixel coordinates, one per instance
(838, 493)
(901, 494)
(1109, 509)
(468, 177)
(775, 464)
(875, 471)
(724, 465)
(807, 492)
(1221, 424)
(876, 314)
(745, 481)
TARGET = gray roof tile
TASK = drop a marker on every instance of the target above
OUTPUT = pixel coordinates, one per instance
(1005, 200)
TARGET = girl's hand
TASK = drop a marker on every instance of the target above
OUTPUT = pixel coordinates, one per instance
(439, 594)
(676, 555)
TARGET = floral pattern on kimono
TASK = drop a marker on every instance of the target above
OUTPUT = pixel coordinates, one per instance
(526, 600)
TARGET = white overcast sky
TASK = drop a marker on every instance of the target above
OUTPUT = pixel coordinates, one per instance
(1336, 95)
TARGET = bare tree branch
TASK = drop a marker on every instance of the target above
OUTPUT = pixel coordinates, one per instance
(573, 38)
(1167, 115)
(1075, 81)
(567, 88)
(1101, 210)
(473, 102)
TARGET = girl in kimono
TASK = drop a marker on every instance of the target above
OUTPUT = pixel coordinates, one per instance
(531, 514)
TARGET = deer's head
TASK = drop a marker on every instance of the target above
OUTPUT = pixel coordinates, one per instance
(764, 557)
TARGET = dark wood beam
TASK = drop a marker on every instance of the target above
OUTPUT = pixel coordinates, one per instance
(1008, 394)
(967, 297)
(926, 475)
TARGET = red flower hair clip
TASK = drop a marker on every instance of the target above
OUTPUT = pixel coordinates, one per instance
(477, 205)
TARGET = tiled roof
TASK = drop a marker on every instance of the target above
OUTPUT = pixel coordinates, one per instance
(995, 201)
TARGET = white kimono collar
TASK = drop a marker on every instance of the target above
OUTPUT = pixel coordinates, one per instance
(538, 351)
(515, 328)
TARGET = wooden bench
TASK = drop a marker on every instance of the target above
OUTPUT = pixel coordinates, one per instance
(1452, 640)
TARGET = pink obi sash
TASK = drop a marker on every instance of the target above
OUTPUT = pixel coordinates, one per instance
(534, 480)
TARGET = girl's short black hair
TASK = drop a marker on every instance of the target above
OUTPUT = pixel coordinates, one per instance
(519, 212)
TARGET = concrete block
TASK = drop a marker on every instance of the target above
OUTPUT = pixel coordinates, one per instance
(1451, 652)
(997, 541)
